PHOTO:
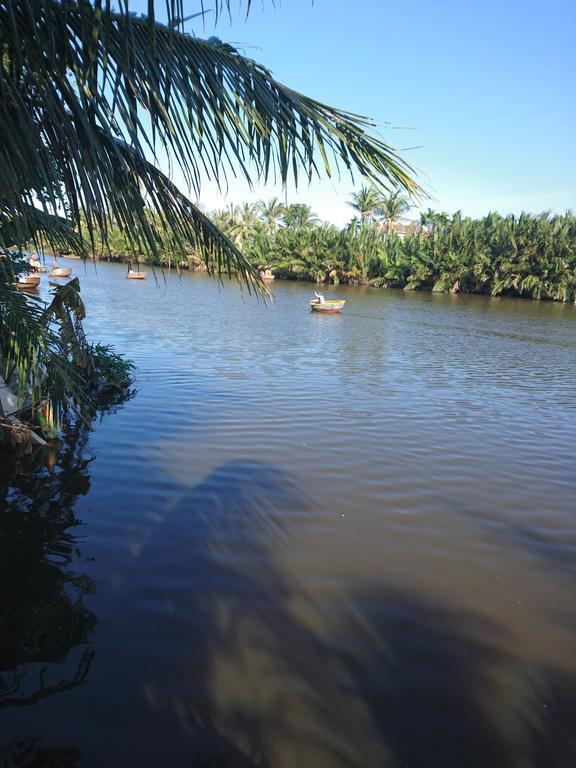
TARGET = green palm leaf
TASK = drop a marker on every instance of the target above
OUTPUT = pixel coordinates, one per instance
(91, 99)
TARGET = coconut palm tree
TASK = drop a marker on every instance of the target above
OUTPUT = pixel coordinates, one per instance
(90, 96)
(365, 247)
(299, 216)
(392, 207)
(367, 202)
(224, 219)
(271, 213)
(533, 256)
(257, 247)
(432, 221)
(245, 217)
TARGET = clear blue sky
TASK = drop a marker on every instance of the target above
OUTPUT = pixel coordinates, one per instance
(487, 90)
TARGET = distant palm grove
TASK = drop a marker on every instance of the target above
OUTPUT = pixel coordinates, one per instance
(526, 255)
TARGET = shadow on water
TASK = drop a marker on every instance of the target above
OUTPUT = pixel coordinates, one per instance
(44, 626)
(249, 670)
(235, 611)
(372, 676)
(443, 688)
(557, 553)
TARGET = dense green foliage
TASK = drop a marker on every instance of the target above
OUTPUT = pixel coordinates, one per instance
(526, 255)
(532, 256)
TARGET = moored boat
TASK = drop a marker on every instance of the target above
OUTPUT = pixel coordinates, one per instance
(132, 275)
(57, 271)
(31, 280)
(60, 272)
(27, 283)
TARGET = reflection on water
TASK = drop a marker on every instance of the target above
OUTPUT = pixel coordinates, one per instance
(44, 626)
(309, 541)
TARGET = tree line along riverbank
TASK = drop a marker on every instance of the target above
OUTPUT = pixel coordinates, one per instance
(532, 256)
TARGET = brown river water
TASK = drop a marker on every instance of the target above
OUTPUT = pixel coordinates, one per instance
(307, 542)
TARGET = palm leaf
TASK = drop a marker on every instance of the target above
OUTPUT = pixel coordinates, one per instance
(92, 101)
(30, 351)
(82, 87)
(38, 228)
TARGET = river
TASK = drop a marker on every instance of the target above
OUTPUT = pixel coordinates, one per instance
(307, 542)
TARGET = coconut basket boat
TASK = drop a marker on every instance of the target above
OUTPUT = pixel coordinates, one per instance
(31, 280)
(60, 272)
(27, 282)
(327, 307)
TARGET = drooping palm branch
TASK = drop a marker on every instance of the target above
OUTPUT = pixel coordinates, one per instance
(38, 228)
(91, 100)
(31, 356)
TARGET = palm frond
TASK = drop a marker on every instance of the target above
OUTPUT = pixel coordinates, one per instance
(38, 228)
(92, 102)
(30, 354)
(82, 86)
(176, 221)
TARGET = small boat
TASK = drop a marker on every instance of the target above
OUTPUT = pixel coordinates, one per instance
(132, 275)
(266, 275)
(57, 271)
(27, 283)
(328, 307)
(22, 287)
(60, 272)
(32, 280)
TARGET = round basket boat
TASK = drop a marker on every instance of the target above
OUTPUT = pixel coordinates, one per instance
(327, 307)
(27, 283)
(32, 281)
(60, 272)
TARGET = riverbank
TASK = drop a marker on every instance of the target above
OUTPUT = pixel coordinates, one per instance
(522, 256)
(411, 283)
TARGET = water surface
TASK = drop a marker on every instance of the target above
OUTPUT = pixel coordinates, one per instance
(308, 541)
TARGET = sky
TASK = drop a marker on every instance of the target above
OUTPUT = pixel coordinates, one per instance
(485, 91)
